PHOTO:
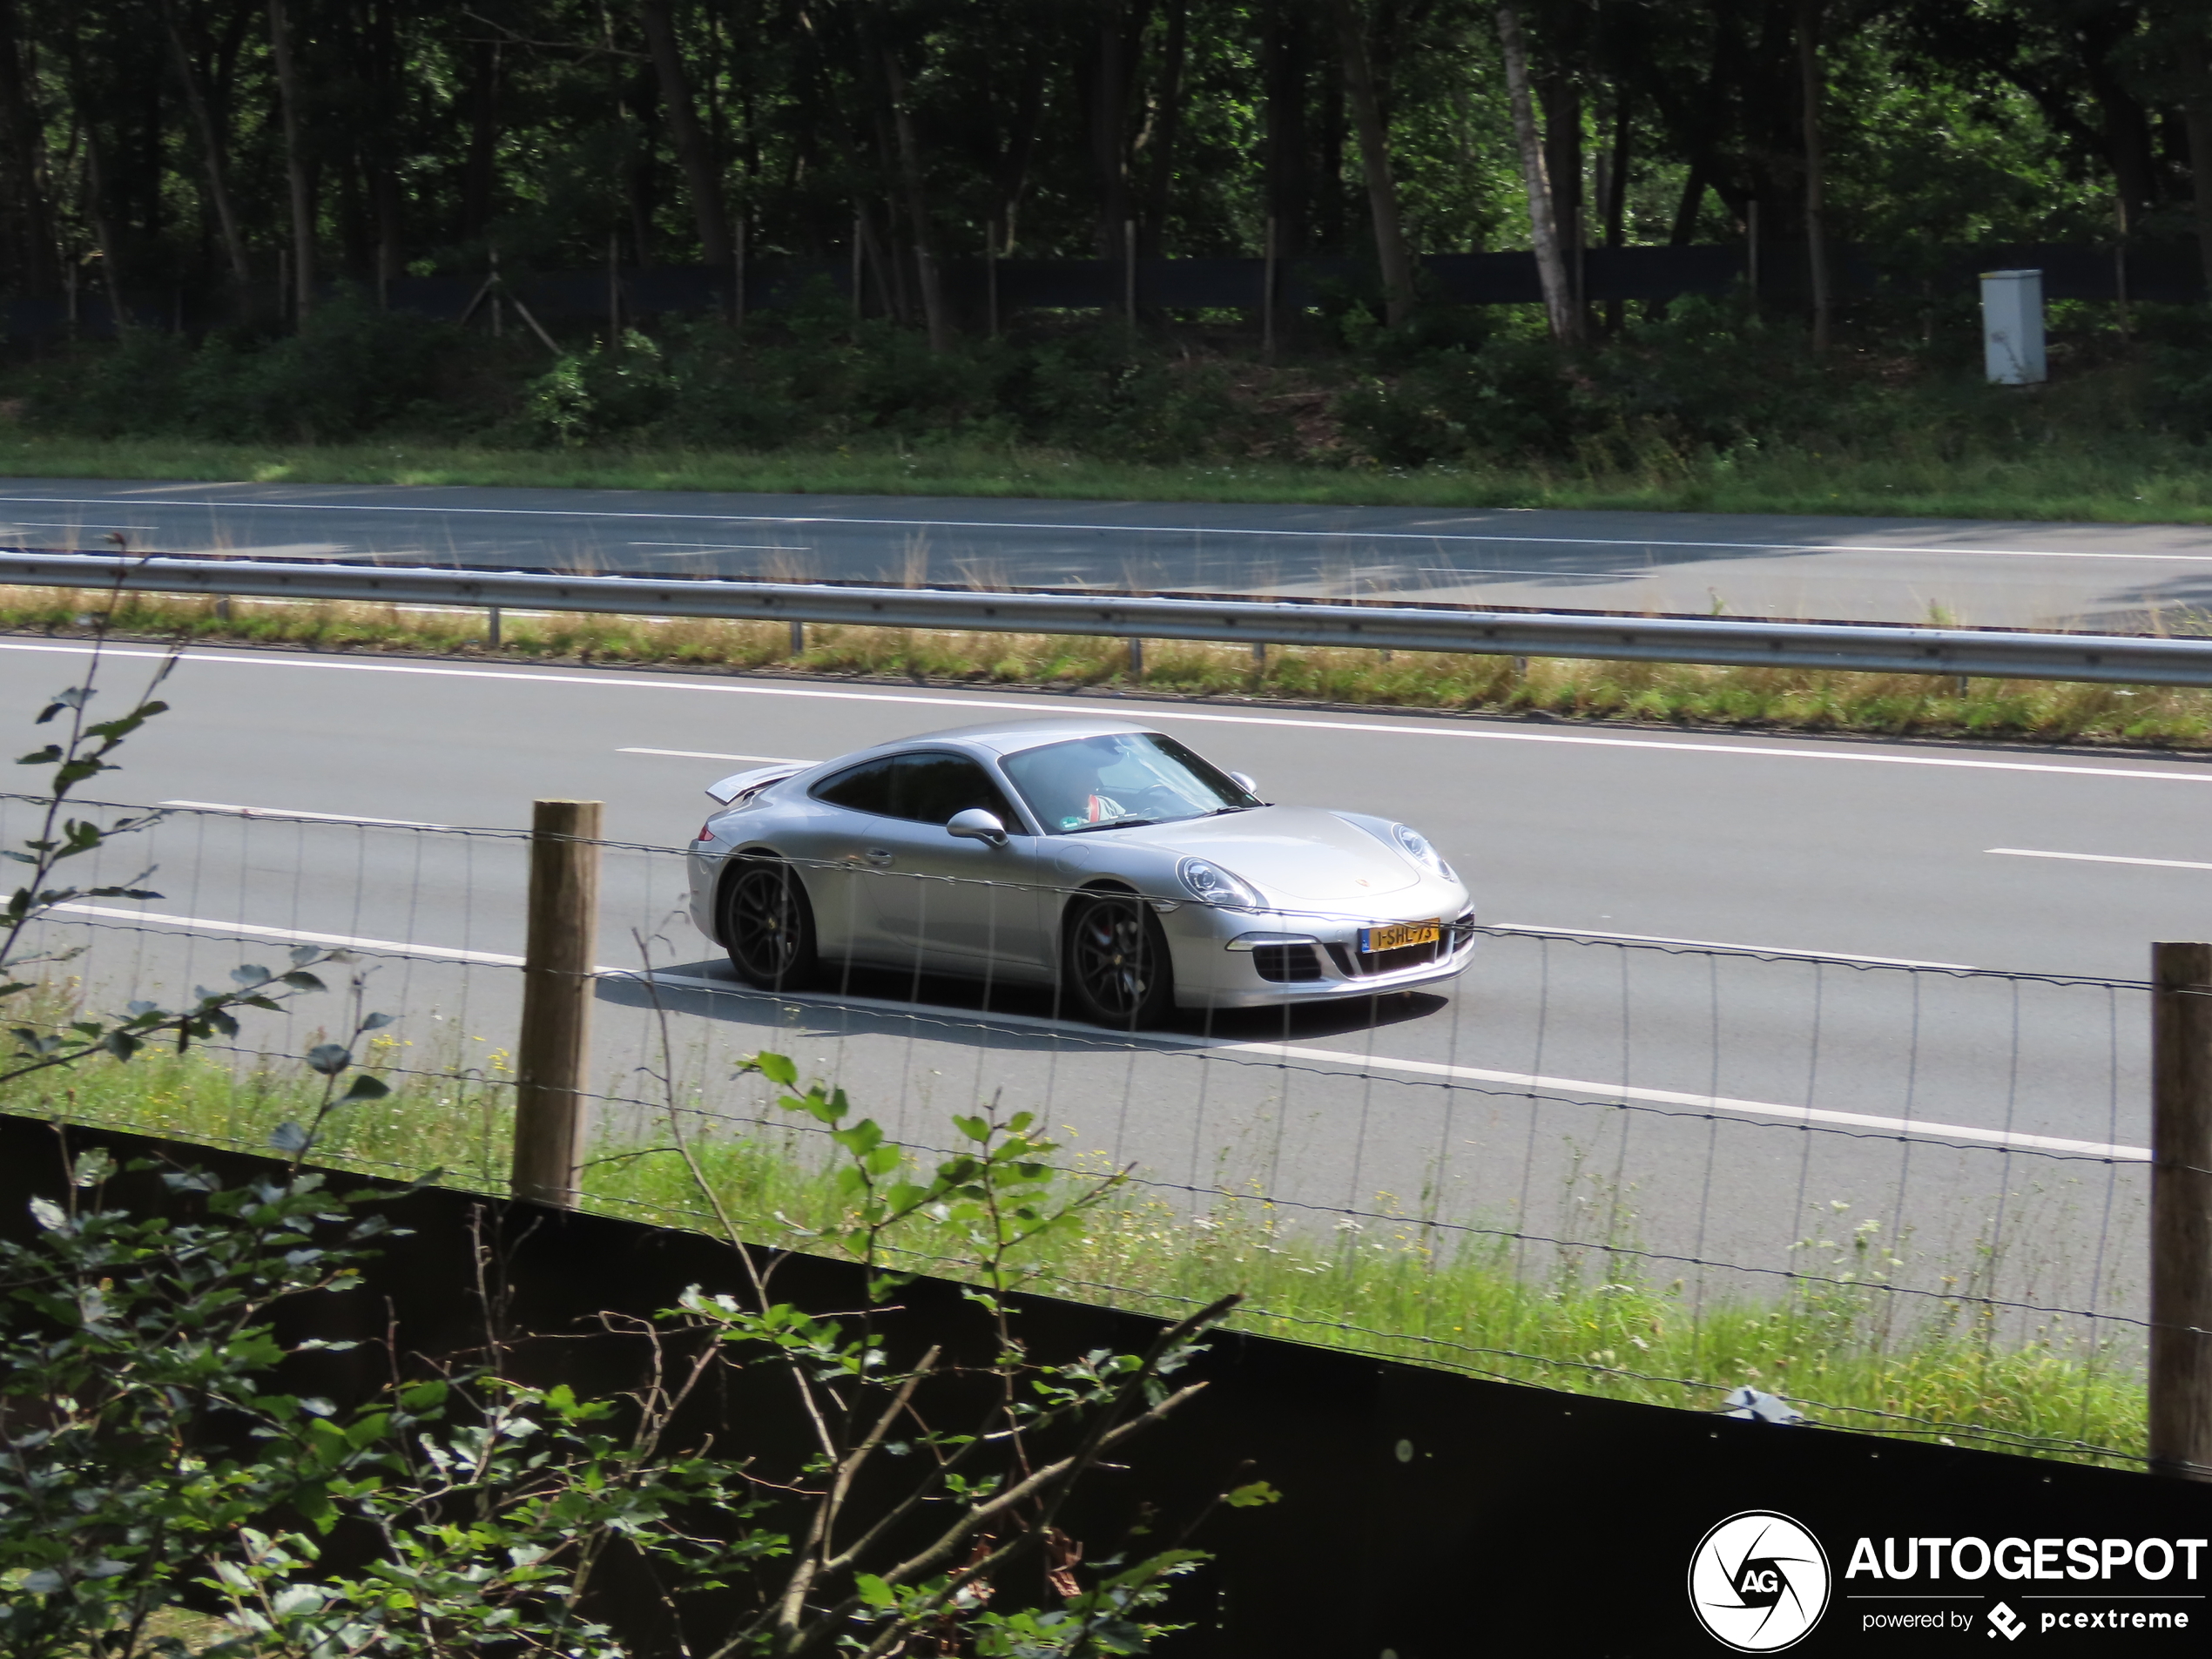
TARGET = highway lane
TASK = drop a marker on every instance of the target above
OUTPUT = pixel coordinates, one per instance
(1883, 569)
(1850, 849)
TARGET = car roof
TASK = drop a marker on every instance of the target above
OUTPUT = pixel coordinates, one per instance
(1011, 737)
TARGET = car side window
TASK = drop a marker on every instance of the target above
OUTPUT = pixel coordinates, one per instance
(929, 788)
(864, 788)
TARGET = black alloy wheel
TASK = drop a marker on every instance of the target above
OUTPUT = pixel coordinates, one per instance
(768, 926)
(1114, 962)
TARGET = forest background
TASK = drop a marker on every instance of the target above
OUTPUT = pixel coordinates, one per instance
(248, 182)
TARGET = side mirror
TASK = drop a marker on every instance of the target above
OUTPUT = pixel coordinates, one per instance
(973, 824)
(1243, 781)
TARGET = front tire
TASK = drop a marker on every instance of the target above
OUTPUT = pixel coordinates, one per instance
(768, 926)
(1114, 965)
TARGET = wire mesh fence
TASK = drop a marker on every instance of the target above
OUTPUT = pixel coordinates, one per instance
(1909, 1196)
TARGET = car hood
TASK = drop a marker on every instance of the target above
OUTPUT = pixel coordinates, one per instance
(1299, 851)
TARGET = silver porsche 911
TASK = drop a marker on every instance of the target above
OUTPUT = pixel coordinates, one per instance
(1092, 855)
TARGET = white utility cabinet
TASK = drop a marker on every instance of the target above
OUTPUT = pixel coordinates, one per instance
(2012, 326)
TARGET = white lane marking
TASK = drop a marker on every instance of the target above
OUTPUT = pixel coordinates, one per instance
(1919, 1127)
(701, 754)
(724, 547)
(2098, 857)
(291, 935)
(1714, 944)
(831, 519)
(286, 812)
(1067, 706)
(1901, 1126)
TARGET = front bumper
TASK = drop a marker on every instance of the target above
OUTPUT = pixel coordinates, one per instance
(1225, 961)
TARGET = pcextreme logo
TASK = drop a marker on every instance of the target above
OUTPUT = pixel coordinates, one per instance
(1758, 1582)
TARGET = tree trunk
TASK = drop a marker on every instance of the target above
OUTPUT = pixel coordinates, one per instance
(23, 133)
(1551, 268)
(1816, 232)
(479, 172)
(1615, 205)
(2198, 110)
(1121, 29)
(1558, 103)
(295, 162)
(95, 182)
(1283, 54)
(689, 139)
(934, 322)
(1021, 145)
(212, 149)
(1374, 164)
(1154, 228)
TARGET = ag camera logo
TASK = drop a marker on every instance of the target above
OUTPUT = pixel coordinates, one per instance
(1758, 1582)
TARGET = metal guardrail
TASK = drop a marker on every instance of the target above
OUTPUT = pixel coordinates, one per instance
(1725, 642)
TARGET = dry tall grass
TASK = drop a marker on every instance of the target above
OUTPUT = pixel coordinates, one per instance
(1667, 693)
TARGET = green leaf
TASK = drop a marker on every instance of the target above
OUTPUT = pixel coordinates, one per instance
(1252, 1497)
(329, 1058)
(777, 1069)
(874, 1590)
(366, 1087)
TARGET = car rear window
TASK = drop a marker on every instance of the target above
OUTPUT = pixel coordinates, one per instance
(926, 788)
(864, 788)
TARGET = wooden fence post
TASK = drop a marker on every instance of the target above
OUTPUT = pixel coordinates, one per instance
(2181, 1211)
(552, 1112)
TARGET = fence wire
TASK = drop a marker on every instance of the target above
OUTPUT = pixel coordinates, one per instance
(1908, 1196)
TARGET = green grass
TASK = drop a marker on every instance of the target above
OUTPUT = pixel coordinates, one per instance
(2135, 477)
(1579, 1319)
(1916, 705)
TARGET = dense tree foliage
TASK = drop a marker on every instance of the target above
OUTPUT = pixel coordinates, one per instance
(197, 145)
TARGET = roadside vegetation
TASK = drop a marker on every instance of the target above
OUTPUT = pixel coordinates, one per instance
(1915, 705)
(1700, 406)
(1575, 1317)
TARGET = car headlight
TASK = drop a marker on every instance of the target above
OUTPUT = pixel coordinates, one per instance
(1418, 849)
(1210, 884)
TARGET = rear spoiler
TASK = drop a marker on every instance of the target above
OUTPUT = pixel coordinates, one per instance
(745, 783)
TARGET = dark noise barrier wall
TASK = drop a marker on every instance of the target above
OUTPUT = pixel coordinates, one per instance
(2167, 274)
(1425, 1515)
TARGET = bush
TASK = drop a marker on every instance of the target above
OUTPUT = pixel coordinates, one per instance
(351, 369)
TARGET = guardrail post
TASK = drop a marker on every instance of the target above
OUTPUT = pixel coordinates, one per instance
(552, 1112)
(2181, 1211)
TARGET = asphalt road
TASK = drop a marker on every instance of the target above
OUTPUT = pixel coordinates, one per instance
(1586, 1081)
(1879, 570)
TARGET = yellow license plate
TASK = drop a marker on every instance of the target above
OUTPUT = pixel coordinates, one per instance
(1399, 936)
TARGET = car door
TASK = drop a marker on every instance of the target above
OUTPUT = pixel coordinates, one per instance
(948, 903)
(845, 820)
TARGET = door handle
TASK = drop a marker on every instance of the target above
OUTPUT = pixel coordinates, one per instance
(877, 856)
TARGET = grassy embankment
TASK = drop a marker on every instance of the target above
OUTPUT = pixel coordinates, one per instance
(1580, 1319)
(1885, 704)
(2136, 477)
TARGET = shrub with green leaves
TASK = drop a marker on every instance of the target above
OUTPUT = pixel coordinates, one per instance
(156, 1456)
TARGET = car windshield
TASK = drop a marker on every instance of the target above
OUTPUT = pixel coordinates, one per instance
(1121, 778)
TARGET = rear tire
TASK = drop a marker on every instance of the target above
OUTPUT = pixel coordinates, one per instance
(768, 926)
(1114, 965)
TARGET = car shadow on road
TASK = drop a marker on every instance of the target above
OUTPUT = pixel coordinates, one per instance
(869, 1001)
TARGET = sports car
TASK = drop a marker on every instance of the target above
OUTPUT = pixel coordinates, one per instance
(1096, 856)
